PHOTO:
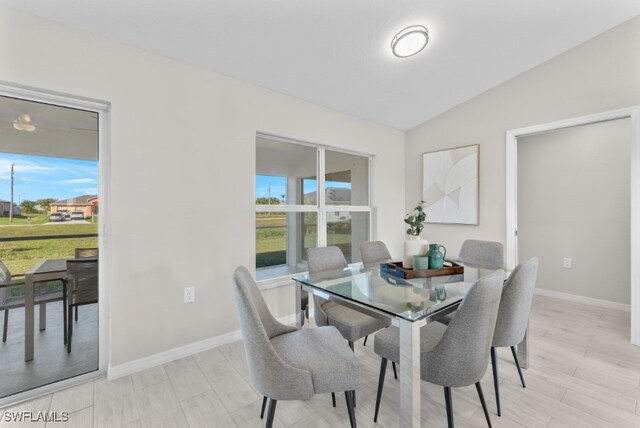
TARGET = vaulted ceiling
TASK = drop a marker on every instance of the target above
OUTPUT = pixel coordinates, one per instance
(336, 53)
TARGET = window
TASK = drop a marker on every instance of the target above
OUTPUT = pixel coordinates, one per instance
(295, 210)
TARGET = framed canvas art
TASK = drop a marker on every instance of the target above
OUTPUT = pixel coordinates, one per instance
(450, 185)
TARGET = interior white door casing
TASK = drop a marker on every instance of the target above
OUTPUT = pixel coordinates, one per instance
(104, 230)
(511, 194)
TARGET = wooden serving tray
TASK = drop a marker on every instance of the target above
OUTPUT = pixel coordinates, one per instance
(396, 269)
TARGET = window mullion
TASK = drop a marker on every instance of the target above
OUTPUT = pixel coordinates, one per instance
(285, 208)
(322, 213)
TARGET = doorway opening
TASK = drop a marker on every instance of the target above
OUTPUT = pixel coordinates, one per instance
(52, 291)
(632, 117)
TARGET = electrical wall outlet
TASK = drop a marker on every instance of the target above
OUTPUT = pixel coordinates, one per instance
(567, 263)
(189, 294)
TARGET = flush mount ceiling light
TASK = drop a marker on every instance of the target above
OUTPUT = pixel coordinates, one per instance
(410, 41)
(23, 123)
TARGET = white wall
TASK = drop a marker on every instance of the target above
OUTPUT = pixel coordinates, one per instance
(179, 132)
(599, 75)
(574, 201)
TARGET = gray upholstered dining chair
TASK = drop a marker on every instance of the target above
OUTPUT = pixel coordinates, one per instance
(373, 253)
(7, 301)
(290, 364)
(455, 355)
(353, 325)
(485, 253)
(81, 288)
(513, 316)
(482, 252)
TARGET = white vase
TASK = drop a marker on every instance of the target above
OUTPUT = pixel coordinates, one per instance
(413, 246)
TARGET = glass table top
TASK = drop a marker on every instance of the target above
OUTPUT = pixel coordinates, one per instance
(409, 299)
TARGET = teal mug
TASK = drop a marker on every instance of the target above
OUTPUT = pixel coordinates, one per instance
(420, 262)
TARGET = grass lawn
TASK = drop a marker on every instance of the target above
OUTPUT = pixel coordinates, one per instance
(271, 240)
(20, 256)
(25, 219)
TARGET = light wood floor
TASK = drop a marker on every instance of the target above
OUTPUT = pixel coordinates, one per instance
(583, 373)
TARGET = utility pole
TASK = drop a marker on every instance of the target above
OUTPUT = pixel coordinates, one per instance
(11, 203)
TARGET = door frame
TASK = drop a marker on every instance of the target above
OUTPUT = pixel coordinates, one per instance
(104, 230)
(512, 189)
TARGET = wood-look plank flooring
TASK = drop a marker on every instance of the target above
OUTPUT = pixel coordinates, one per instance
(584, 373)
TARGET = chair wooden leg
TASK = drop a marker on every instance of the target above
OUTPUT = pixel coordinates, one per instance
(515, 358)
(333, 399)
(395, 373)
(383, 371)
(76, 314)
(447, 401)
(271, 413)
(496, 386)
(351, 345)
(6, 325)
(350, 397)
(264, 404)
(365, 341)
(70, 329)
(484, 405)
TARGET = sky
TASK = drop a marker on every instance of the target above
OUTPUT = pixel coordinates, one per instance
(37, 177)
(279, 186)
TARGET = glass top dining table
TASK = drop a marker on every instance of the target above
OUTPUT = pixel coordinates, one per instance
(376, 290)
(407, 303)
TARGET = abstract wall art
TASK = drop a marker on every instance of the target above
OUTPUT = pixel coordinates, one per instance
(450, 185)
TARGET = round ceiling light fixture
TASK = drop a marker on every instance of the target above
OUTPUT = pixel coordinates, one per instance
(410, 41)
(23, 123)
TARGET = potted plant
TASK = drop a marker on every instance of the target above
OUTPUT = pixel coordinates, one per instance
(414, 245)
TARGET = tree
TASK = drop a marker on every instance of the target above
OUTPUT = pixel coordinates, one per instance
(45, 204)
(28, 207)
(265, 201)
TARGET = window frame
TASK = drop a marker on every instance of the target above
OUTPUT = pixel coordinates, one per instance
(320, 208)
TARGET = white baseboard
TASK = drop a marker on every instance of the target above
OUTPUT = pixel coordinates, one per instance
(160, 358)
(585, 300)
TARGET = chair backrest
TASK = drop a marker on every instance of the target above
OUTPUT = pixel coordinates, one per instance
(323, 259)
(82, 280)
(373, 253)
(82, 253)
(268, 372)
(488, 253)
(515, 304)
(462, 355)
(5, 279)
(5, 275)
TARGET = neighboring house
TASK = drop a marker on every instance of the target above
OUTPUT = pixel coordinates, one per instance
(4, 208)
(333, 196)
(88, 204)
